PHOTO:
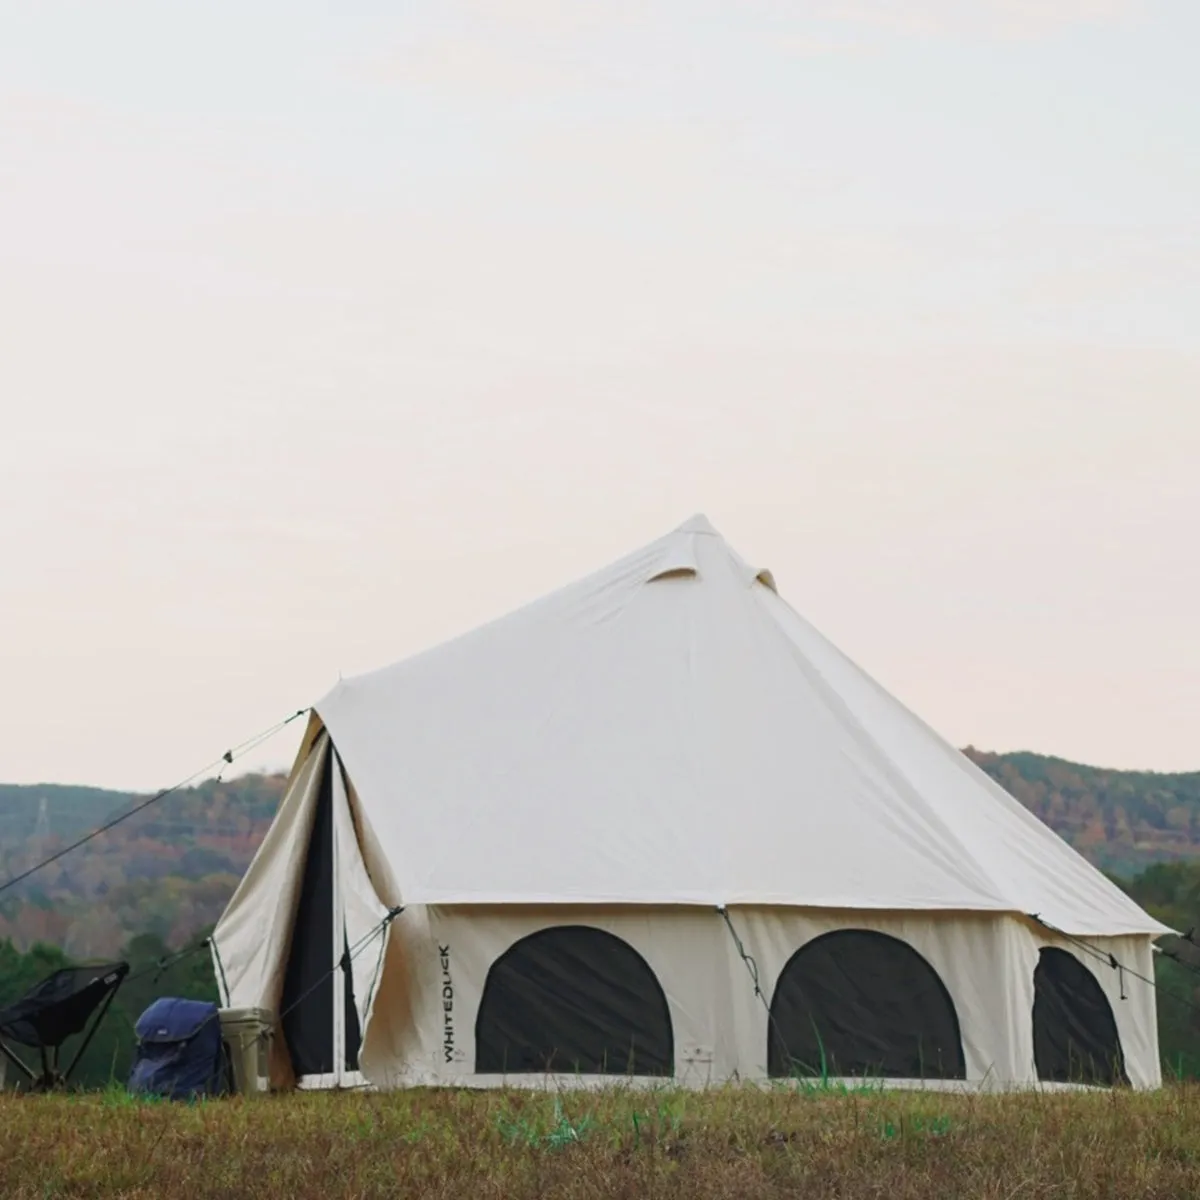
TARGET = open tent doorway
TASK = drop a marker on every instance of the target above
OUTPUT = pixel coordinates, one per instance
(573, 999)
(857, 1003)
(1075, 1038)
(319, 1015)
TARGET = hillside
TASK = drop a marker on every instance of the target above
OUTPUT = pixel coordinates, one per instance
(169, 871)
(1121, 820)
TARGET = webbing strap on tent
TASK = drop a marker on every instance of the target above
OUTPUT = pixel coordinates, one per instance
(748, 959)
(752, 968)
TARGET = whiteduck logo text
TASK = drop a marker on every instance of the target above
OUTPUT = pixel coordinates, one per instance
(447, 1004)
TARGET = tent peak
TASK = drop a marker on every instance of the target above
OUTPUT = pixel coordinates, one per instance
(680, 555)
(698, 524)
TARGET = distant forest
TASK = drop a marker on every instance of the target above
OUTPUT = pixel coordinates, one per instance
(166, 872)
(162, 878)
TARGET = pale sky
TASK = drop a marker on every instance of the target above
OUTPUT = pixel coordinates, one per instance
(330, 331)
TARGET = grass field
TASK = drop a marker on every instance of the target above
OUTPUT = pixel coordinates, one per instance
(618, 1143)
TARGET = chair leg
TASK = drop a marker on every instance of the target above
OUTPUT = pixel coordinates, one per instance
(91, 1033)
(16, 1062)
(48, 1080)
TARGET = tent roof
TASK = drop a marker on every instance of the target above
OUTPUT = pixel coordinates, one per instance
(669, 730)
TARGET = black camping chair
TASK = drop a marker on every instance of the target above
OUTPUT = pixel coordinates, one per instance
(54, 1010)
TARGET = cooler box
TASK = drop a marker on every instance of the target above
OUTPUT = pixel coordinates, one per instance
(247, 1034)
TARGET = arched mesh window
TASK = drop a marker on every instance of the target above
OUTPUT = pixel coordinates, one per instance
(858, 1003)
(1075, 1037)
(577, 1000)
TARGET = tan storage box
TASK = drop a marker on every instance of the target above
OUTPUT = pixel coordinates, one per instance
(247, 1033)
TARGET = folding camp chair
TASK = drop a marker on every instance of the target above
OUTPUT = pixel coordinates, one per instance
(52, 1011)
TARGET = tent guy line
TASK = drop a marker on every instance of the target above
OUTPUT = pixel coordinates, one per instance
(225, 759)
(161, 965)
(748, 959)
(1112, 961)
(752, 967)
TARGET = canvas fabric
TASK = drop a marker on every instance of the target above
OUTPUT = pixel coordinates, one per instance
(661, 742)
(720, 1025)
(670, 731)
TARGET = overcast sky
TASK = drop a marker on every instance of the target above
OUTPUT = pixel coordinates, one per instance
(329, 331)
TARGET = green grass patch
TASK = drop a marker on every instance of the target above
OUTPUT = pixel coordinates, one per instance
(743, 1142)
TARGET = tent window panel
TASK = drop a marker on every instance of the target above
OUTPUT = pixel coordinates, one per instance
(859, 1003)
(1075, 1037)
(573, 999)
(308, 995)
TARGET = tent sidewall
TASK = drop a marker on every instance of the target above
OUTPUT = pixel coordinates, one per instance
(720, 1026)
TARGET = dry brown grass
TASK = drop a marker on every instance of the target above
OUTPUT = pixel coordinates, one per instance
(723, 1143)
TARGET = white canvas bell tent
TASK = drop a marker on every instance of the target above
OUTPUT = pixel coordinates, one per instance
(655, 825)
